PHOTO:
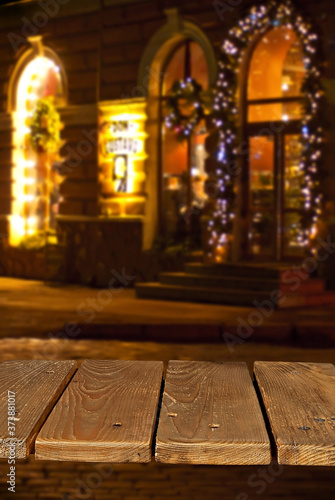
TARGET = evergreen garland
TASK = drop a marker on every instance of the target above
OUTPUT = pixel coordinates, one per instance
(45, 126)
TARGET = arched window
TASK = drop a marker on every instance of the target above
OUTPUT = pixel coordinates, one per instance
(276, 74)
(183, 162)
(273, 187)
(38, 86)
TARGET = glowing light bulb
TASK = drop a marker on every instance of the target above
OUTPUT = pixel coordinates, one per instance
(32, 221)
(29, 181)
(22, 114)
(285, 118)
(29, 198)
(17, 223)
(36, 84)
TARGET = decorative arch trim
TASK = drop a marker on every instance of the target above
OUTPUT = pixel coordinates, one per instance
(36, 49)
(173, 32)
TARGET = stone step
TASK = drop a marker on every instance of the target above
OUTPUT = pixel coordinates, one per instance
(159, 291)
(287, 273)
(198, 294)
(240, 283)
(309, 300)
(195, 257)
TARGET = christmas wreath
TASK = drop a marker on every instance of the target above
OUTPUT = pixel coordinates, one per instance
(45, 127)
(189, 91)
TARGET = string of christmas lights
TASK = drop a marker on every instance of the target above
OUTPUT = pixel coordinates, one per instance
(258, 21)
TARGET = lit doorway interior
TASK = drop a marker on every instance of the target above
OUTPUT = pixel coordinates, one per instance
(272, 180)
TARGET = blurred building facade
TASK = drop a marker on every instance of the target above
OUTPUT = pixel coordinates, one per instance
(121, 180)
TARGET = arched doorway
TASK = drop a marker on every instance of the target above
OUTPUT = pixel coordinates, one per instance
(183, 161)
(269, 135)
(37, 91)
(273, 180)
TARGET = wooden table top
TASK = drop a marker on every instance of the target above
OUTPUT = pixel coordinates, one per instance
(202, 413)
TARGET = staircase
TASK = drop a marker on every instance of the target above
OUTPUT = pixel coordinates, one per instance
(242, 284)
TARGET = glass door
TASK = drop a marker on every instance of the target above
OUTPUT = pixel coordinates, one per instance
(272, 186)
(262, 197)
(293, 199)
(275, 196)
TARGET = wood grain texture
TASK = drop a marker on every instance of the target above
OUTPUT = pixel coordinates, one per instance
(211, 415)
(107, 414)
(37, 386)
(300, 402)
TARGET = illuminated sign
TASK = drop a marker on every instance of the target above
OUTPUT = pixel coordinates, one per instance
(122, 147)
(120, 173)
(124, 141)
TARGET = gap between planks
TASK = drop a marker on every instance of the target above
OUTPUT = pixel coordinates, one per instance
(37, 385)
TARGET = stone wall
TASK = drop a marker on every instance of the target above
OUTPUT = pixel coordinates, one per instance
(22, 263)
(69, 481)
(95, 247)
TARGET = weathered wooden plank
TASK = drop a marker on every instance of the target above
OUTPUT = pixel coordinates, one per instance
(107, 414)
(211, 415)
(300, 402)
(34, 387)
